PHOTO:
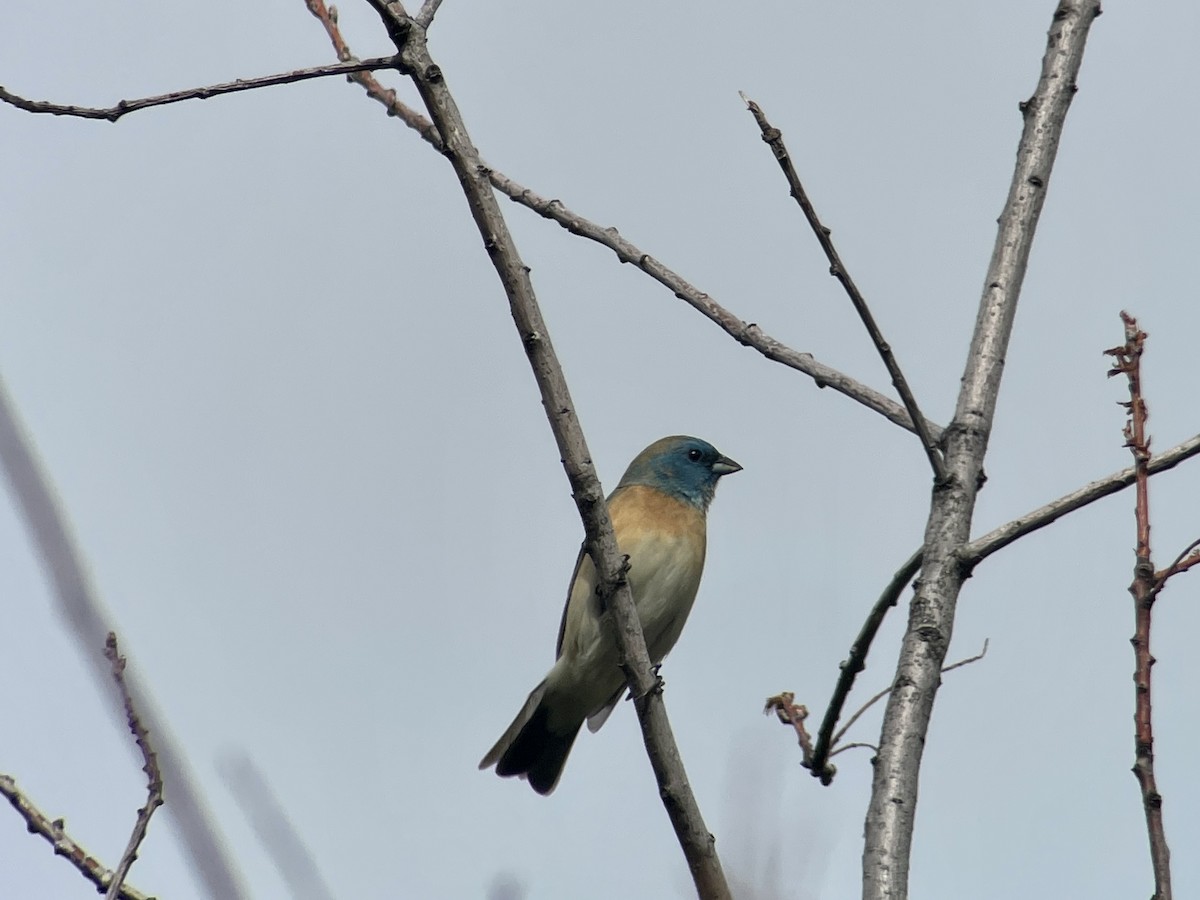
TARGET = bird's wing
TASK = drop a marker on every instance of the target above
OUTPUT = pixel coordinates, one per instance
(562, 627)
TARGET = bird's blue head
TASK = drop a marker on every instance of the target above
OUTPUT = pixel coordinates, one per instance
(682, 466)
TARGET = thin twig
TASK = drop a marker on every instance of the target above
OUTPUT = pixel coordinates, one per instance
(694, 837)
(748, 334)
(80, 606)
(55, 832)
(428, 11)
(124, 107)
(854, 745)
(837, 738)
(154, 782)
(1144, 589)
(1182, 563)
(293, 860)
(773, 138)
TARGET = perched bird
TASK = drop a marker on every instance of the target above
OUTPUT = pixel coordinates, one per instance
(658, 513)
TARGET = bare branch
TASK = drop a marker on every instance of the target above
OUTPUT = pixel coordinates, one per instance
(746, 333)
(894, 789)
(697, 843)
(124, 107)
(1182, 563)
(1144, 589)
(773, 137)
(428, 11)
(293, 860)
(81, 608)
(55, 832)
(154, 782)
(999, 538)
(837, 738)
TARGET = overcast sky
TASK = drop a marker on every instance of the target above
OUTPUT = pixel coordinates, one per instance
(265, 360)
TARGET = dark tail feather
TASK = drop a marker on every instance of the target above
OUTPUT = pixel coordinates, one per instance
(530, 748)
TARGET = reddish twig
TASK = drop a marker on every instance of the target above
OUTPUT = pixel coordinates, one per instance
(154, 782)
(54, 831)
(790, 714)
(1145, 588)
(124, 107)
(773, 137)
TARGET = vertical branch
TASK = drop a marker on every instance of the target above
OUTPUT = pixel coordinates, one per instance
(892, 810)
(154, 782)
(1145, 587)
(699, 846)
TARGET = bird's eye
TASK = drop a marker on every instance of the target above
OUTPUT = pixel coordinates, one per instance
(694, 455)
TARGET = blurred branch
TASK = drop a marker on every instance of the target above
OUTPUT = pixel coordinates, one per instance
(773, 138)
(747, 334)
(124, 107)
(54, 831)
(894, 790)
(81, 608)
(154, 782)
(676, 793)
(1144, 589)
(270, 821)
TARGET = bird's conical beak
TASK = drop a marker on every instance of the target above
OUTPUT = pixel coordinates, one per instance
(725, 466)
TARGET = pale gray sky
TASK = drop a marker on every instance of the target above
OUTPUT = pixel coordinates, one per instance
(273, 376)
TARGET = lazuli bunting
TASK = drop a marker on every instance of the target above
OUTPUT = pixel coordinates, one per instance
(658, 514)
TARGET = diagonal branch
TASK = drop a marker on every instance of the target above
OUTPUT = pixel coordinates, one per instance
(746, 333)
(855, 663)
(293, 860)
(124, 107)
(55, 832)
(774, 139)
(999, 538)
(697, 843)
